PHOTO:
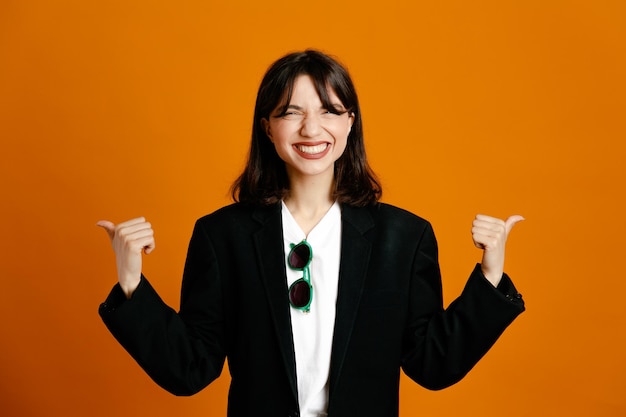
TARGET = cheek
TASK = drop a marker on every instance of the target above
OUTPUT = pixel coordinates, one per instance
(279, 137)
(341, 143)
(281, 149)
(345, 133)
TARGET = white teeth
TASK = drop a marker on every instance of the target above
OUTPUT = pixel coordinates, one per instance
(312, 149)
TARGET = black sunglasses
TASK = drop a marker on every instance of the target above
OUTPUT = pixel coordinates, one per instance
(301, 291)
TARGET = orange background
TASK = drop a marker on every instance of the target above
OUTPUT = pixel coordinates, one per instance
(114, 109)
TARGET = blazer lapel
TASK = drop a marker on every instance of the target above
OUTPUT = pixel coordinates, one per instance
(355, 255)
(268, 241)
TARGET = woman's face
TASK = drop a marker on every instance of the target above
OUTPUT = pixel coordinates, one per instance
(308, 137)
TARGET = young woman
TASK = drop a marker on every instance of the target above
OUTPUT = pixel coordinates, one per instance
(315, 292)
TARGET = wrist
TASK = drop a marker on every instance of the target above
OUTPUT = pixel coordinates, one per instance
(494, 277)
(129, 285)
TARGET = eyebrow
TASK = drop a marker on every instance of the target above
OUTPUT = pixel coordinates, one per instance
(339, 108)
(335, 106)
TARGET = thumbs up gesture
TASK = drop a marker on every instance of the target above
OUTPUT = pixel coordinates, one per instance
(490, 235)
(129, 240)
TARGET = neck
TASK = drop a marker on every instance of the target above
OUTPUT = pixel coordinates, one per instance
(309, 200)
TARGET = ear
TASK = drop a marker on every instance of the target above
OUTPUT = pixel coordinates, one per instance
(351, 120)
(266, 126)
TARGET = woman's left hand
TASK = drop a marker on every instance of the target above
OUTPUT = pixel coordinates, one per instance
(490, 234)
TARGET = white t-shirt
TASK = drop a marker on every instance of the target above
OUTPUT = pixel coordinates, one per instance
(313, 331)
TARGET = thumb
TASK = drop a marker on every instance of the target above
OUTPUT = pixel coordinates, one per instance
(512, 221)
(108, 226)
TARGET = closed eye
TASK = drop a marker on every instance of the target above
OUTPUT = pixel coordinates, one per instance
(333, 112)
(291, 115)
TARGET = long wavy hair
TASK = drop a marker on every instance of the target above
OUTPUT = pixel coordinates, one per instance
(264, 180)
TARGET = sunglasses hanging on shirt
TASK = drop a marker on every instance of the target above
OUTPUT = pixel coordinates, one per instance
(301, 291)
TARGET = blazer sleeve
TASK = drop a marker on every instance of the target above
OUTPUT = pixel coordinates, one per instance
(441, 346)
(182, 352)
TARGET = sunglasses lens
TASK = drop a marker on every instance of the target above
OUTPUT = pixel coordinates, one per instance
(299, 293)
(299, 256)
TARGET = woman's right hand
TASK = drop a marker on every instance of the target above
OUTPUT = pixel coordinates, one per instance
(129, 239)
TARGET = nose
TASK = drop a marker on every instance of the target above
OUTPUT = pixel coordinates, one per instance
(311, 126)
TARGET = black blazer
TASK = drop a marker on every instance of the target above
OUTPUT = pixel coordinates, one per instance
(234, 305)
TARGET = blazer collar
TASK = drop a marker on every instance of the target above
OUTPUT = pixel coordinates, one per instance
(355, 254)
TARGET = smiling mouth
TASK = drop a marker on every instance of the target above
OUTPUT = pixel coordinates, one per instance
(312, 150)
